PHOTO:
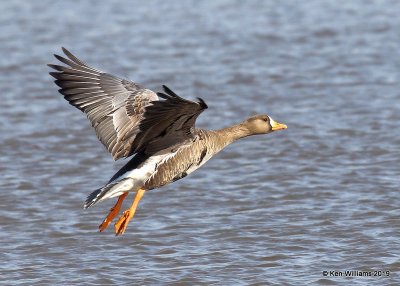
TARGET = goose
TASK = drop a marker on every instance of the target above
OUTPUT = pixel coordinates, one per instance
(157, 129)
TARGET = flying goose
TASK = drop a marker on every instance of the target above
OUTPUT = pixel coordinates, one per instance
(157, 129)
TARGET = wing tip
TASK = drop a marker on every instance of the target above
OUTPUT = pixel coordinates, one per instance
(54, 74)
(65, 51)
(202, 103)
(169, 91)
(69, 55)
(163, 95)
(60, 58)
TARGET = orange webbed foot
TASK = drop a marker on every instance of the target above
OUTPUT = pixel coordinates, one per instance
(123, 221)
(113, 212)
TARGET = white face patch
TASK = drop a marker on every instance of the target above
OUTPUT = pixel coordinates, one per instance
(272, 122)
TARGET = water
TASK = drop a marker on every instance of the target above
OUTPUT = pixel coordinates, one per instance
(271, 210)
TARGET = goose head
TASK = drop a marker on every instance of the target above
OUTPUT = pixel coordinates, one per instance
(262, 124)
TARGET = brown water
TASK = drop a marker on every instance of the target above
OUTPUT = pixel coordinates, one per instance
(270, 210)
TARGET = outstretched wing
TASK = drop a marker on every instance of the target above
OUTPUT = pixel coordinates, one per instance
(127, 117)
(168, 122)
(113, 105)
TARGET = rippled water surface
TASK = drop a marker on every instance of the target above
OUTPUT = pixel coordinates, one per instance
(278, 209)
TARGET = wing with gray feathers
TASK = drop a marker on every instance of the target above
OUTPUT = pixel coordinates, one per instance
(127, 117)
(113, 105)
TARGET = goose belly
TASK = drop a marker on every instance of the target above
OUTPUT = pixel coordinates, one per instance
(178, 166)
(194, 167)
(137, 177)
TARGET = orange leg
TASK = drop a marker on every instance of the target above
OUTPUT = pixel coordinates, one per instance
(113, 212)
(122, 223)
